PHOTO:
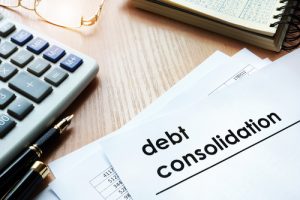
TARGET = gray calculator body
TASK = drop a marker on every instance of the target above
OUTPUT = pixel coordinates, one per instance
(27, 130)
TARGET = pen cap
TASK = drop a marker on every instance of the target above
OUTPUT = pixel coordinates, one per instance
(26, 186)
(17, 169)
(41, 168)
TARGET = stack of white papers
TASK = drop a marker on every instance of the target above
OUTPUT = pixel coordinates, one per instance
(228, 130)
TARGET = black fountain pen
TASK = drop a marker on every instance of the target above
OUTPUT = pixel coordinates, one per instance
(18, 168)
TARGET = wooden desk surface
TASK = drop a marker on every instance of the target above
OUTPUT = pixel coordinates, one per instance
(140, 54)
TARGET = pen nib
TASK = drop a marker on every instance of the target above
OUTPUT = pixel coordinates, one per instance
(69, 118)
(64, 123)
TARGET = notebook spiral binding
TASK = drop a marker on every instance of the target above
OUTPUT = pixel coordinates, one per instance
(290, 16)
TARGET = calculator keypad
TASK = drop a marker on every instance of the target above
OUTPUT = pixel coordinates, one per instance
(7, 29)
(54, 54)
(21, 37)
(37, 45)
(30, 86)
(7, 49)
(71, 63)
(20, 108)
(7, 71)
(22, 58)
(56, 76)
(6, 97)
(6, 124)
(28, 73)
(38, 67)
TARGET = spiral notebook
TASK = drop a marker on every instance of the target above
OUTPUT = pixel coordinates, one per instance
(270, 24)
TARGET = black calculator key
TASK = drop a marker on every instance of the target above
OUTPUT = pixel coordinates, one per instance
(37, 45)
(30, 86)
(6, 125)
(21, 37)
(7, 49)
(7, 29)
(5, 97)
(71, 63)
(7, 71)
(38, 67)
(54, 53)
(56, 76)
(22, 58)
(20, 108)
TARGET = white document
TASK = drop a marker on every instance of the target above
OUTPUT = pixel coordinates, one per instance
(211, 63)
(74, 159)
(218, 79)
(81, 155)
(46, 194)
(240, 143)
(93, 178)
(89, 179)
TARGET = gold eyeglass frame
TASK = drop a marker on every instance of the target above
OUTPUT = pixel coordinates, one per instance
(83, 22)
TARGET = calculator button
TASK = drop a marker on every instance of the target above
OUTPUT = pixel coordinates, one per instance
(7, 71)
(7, 29)
(54, 53)
(5, 97)
(71, 63)
(6, 124)
(20, 108)
(37, 45)
(38, 67)
(30, 86)
(21, 37)
(56, 76)
(22, 58)
(6, 49)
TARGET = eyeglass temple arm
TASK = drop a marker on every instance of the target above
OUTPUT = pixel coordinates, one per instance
(93, 20)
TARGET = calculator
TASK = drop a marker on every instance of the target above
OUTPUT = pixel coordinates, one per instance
(39, 79)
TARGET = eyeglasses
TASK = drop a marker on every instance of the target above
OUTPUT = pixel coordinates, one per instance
(65, 13)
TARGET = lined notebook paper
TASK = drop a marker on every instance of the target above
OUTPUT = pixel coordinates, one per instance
(255, 15)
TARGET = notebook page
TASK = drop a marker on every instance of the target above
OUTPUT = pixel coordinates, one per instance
(253, 15)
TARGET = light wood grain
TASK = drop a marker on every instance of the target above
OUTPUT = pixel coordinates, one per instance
(141, 55)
